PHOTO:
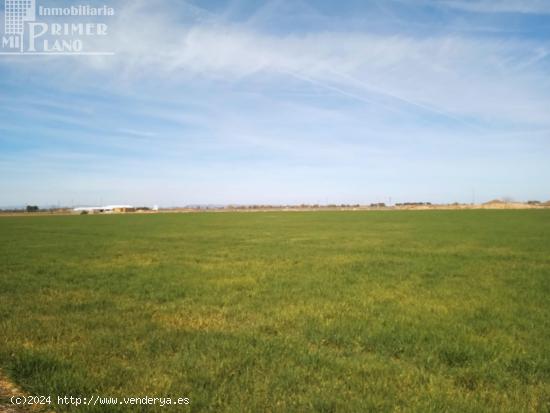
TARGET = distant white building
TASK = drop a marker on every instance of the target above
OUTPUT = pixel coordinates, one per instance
(105, 209)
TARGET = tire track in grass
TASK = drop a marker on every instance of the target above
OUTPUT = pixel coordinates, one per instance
(9, 389)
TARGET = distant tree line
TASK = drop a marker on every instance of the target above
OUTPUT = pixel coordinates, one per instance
(301, 206)
(33, 208)
(413, 204)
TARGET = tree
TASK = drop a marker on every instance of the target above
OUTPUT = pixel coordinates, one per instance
(32, 208)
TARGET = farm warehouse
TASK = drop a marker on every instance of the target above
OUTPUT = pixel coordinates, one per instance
(107, 208)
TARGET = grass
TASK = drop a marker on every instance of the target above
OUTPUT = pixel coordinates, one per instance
(420, 311)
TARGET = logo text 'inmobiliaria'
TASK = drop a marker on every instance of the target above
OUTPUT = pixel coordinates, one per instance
(76, 29)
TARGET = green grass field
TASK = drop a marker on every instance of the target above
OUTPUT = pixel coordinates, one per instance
(421, 311)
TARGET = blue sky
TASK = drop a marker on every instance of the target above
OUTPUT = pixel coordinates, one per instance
(234, 101)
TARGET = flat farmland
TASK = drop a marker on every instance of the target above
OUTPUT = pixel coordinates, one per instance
(411, 311)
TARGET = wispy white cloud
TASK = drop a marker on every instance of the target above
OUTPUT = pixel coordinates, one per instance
(501, 6)
(447, 75)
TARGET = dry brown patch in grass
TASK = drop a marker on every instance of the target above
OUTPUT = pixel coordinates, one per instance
(206, 321)
(117, 261)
